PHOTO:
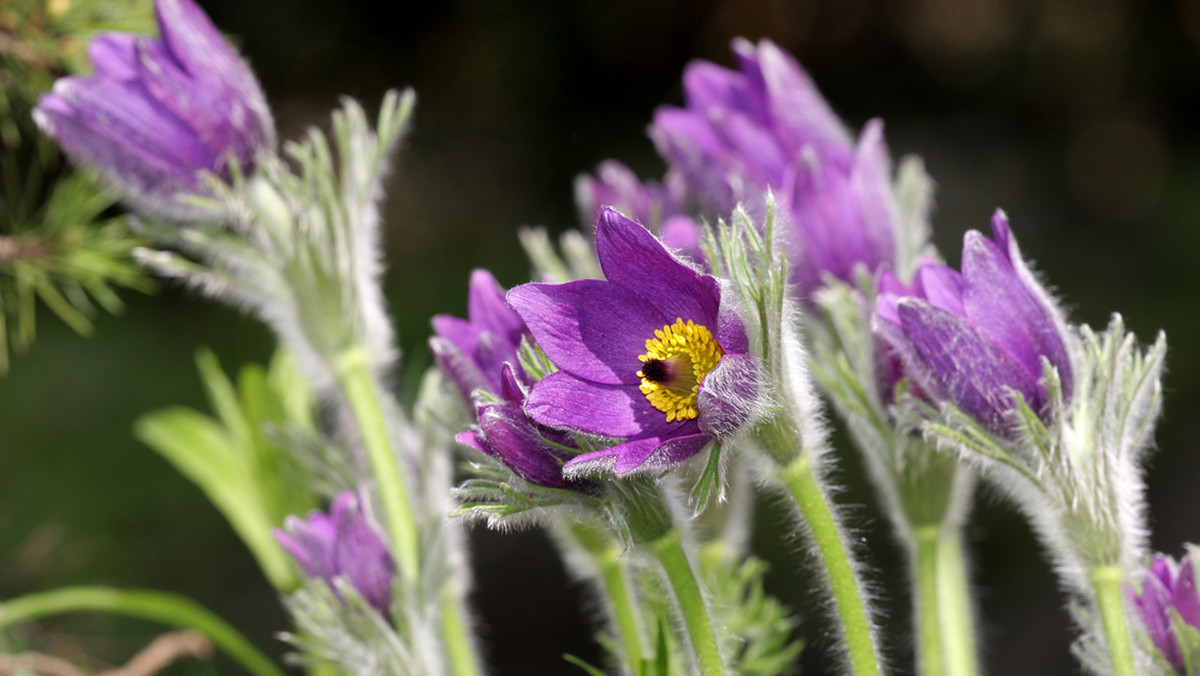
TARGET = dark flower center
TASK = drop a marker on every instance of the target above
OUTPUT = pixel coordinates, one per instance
(656, 371)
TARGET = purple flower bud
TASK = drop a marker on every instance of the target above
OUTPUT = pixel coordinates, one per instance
(766, 128)
(652, 355)
(534, 452)
(342, 544)
(472, 351)
(158, 111)
(973, 338)
(1167, 589)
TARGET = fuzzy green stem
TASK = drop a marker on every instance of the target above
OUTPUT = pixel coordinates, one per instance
(460, 649)
(929, 622)
(945, 626)
(954, 604)
(170, 609)
(614, 576)
(1108, 582)
(849, 604)
(354, 375)
(669, 551)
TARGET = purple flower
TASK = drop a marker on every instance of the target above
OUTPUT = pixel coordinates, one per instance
(472, 351)
(654, 355)
(1167, 589)
(158, 111)
(339, 544)
(533, 452)
(660, 208)
(973, 338)
(766, 128)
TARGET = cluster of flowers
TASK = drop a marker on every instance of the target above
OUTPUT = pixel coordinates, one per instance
(588, 395)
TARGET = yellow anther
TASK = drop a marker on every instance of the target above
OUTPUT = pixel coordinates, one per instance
(676, 361)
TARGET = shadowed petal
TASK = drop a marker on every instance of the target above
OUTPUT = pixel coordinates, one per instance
(563, 400)
(592, 328)
(634, 259)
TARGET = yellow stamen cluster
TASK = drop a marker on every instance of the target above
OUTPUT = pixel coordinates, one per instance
(685, 353)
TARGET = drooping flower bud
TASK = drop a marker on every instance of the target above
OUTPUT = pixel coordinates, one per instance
(342, 543)
(974, 338)
(159, 111)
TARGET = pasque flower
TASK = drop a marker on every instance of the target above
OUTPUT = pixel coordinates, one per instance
(473, 350)
(342, 544)
(655, 355)
(158, 111)
(1168, 588)
(974, 338)
(766, 128)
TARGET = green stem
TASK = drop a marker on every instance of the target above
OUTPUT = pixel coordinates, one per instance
(945, 622)
(354, 375)
(170, 609)
(929, 624)
(669, 551)
(1108, 582)
(614, 576)
(954, 604)
(460, 650)
(802, 483)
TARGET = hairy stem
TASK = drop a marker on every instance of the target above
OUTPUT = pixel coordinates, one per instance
(848, 601)
(1107, 583)
(669, 551)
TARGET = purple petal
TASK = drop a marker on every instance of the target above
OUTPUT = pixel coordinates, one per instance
(707, 85)
(488, 309)
(565, 401)
(114, 55)
(361, 555)
(511, 437)
(997, 302)
(455, 363)
(638, 455)
(591, 328)
(942, 286)
(1184, 597)
(871, 180)
(634, 259)
(969, 368)
(728, 397)
(800, 114)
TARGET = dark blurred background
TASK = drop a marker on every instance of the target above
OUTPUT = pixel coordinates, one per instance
(1076, 116)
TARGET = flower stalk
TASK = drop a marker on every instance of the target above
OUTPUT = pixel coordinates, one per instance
(800, 478)
(1108, 585)
(669, 551)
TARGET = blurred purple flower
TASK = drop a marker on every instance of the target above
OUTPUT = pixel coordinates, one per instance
(1167, 589)
(158, 111)
(658, 207)
(472, 351)
(342, 544)
(766, 128)
(974, 337)
(652, 355)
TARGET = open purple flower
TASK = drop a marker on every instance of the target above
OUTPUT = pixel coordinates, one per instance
(472, 351)
(158, 111)
(342, 544)
(655, 355)
(1168, 589)
(974, 338)
(766, 128)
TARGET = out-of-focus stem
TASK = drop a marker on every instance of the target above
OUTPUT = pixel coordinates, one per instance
(669, 551)
(1107, 583)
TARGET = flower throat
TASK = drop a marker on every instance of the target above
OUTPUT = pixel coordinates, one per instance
(676, 361)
